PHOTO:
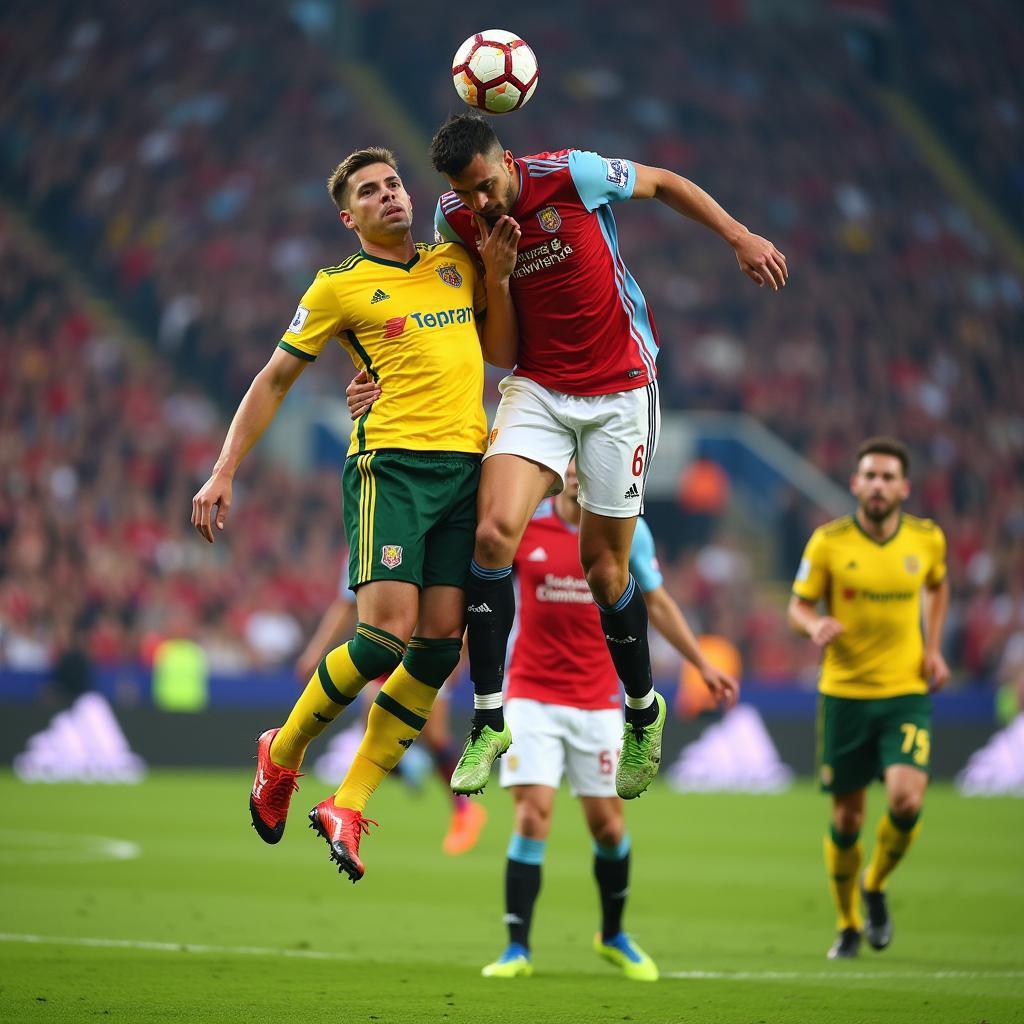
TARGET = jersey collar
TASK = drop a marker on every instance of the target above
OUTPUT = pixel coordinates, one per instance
(881, 543)
(391, 263)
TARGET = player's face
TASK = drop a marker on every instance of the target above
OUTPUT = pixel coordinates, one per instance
(879, 485)
(489, 185)
(378, 205)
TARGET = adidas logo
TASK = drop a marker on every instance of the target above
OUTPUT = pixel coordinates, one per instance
(379, 296)
(851, 565)
(83, 744)
(478, 608)
(632, 492)
(537, 555)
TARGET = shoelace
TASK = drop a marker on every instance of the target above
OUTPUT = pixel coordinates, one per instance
(276, 795)
(473, 754)
(352, 831)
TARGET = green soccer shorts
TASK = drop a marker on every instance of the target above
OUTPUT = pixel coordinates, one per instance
(859, 739)
(410, 516)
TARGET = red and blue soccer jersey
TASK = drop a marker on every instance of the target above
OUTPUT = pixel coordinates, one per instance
(560, 655)
(584, 325)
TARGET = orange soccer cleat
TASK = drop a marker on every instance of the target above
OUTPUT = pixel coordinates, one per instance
(271, 792)
(342, 828)
(464, 829)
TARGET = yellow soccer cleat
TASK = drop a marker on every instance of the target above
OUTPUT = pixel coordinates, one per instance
(624, 953)
(513, 963)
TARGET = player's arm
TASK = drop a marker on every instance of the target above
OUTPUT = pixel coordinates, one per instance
(251, 419)
(804, 618)
(936, 605)
(758, 258)
(499, 330)
(338, 621)
(810, 585)
(668, 619)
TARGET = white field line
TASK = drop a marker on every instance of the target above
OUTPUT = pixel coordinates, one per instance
(313, 954)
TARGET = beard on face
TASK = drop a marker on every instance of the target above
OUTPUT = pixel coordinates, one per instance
(878, 512)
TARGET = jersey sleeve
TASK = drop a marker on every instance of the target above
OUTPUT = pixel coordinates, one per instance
(600, 180)
(643, 560)
(937, 570)
(316, 321)
(812, 576)
(443, 231)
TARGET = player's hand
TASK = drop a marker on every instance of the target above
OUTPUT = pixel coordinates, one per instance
(361, 393)
(825, 630)
(498, 245)
(936, 670)
(214, 494)
(761, 261)
(721, 686)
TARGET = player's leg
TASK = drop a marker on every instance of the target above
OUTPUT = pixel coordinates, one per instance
(847, 762)
(468, 817)
(526, 459)
(398, 715)
(387, 612)
(532, 772)
(617, 439)
(906, 755)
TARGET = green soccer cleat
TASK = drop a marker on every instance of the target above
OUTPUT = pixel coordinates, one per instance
(641, 754)
(846, 946)
(878, 930)
(624, 953)
(513, 963)
(485, 746)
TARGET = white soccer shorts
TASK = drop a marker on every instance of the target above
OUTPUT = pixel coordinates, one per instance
(552, 740)
(613, 438)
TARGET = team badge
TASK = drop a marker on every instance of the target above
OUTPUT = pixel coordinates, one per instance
(449, 273)
(912, 564)
(550, 219)
(391, 556)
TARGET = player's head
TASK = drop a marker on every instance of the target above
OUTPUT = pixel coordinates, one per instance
(370, 196)
(881, 481)
(480, 171)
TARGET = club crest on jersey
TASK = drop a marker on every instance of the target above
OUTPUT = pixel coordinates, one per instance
(449, 273)
(912, 564)
(550, 219)
(391, 556)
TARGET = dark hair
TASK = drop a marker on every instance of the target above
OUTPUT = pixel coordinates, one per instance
(337, 183)
(885, 446)
(460, 139)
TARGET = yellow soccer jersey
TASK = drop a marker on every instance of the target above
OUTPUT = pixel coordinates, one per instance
(874, 590)
(412, 327)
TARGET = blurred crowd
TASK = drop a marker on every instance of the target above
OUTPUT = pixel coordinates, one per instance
(191, 190)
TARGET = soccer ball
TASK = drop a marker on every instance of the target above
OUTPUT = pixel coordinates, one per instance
(495, 71)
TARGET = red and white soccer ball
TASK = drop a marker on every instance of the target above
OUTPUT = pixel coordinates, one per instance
(495, 71)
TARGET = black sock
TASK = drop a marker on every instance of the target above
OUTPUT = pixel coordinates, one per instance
(612, 876)
(522, 885)
(625, 633)
(490, 612)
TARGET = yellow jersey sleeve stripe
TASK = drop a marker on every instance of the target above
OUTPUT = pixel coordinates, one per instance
(293, 351)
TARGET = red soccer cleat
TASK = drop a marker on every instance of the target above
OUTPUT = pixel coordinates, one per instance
(271, 792)
(342, 828)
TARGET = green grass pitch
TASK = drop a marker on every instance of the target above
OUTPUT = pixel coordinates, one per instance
(728, 895)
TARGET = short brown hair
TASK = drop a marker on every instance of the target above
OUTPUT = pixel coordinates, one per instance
(337, 183)
(885, 446)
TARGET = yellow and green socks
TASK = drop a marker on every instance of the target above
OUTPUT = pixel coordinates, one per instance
(397, 716)
(335, 684)
(843, 856)
(892, 841)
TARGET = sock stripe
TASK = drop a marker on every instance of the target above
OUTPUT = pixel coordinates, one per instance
(380, 636)
(328, 685)
(402, 713)
(613, 852)
(842, 840)
(489, 574)
(627, 596)
(526, 851)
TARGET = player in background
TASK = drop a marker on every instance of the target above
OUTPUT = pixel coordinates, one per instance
(584, 385)
(407, 314)
(872, 569)
(563, 706)
(336, 625)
